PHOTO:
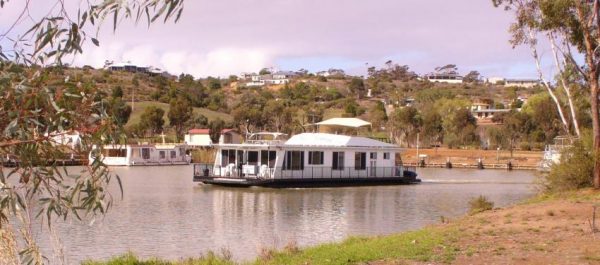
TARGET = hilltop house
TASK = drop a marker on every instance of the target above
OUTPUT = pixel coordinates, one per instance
(129, 67)
(201, 137)
(483, 111)
(278, 78)
(514, 82)
(526, 83)
(332, 72)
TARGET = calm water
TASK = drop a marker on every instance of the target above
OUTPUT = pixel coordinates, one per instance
(165, 214)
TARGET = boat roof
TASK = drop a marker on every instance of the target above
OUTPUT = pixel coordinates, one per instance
(334, 140)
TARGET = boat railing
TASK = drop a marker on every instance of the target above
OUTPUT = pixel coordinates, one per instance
(265, 142)
(265, 172)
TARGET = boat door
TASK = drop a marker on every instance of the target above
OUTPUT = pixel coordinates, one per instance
(373, 164)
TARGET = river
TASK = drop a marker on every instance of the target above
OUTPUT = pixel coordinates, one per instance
(164, 214)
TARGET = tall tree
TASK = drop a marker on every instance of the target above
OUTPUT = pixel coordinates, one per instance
(33, 112)
(180, 112)
(357, 87)
(576, 23)
(152, 119)
(405, 123)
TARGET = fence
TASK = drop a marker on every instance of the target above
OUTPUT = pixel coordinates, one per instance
(264, 172)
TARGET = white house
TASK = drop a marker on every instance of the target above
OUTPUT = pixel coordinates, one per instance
(526, 83)
(332, 72)
(445, 78)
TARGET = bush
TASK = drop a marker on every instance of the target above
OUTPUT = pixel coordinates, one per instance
(480, 204)
(525, 146)
(575, 170)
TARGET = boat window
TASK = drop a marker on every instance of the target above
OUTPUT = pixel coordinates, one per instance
(268, 158)
(360, 160)
(173, 154)
(115, 152)
(373, 155)
(161, 154)
(315, 158)
(146, 153)
(337, 161)
(386, 155)
(227, 157)
(253, 157)
(294, 160)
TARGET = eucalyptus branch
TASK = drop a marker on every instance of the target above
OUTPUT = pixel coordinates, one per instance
(561, 76)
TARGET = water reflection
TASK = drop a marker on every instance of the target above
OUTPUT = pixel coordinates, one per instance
(164, 214)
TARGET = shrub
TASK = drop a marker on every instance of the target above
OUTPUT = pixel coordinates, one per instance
(525, 146)
(480, 204)
(575, 169)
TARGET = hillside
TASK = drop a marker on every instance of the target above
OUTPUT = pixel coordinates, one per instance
(140, 106)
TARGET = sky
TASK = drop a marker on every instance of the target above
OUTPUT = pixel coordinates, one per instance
(220, 38)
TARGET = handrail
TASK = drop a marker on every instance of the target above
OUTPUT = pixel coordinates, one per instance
(265, 172)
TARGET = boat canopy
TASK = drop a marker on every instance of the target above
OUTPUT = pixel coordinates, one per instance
(347, 122)
(334, 140)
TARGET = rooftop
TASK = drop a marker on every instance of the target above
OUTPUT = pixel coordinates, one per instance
(334, 140)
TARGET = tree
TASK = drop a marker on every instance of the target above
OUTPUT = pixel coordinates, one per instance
(278, 116)
(357, 87)
(37, 188)
(213, 83)
(264, 71)
(215, 128)
(377, 115)
(152, 119)
(471, 77)
(119, 111)
(352, 109)
(117, 92)
(433, 131)
(180, 112)
(405, 123)
(515, 126)
(575, 24)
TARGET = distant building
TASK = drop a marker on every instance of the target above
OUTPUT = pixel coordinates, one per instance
(331, 73)
(129, 67)
(278, 78)
(526, 83)
(495, 80)
(484, 112)
(201, 137)
(451, 78)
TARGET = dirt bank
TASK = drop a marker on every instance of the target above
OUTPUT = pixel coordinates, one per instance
(468, 156)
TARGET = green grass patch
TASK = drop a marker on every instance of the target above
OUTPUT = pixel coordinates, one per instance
(140, 106)
(428, 244)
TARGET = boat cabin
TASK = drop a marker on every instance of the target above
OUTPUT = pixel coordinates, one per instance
(306, 155)
(143, 154)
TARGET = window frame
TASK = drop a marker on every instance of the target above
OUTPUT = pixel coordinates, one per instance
(316, 155)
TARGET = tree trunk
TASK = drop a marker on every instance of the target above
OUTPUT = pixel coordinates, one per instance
(534, 53)
(564, 84)
(596, 129)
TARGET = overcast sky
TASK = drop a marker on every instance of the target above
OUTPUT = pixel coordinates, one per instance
(226, 37)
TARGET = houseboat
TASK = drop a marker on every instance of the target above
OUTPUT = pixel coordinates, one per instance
(552, 153)
(142, 155)
(305, 160)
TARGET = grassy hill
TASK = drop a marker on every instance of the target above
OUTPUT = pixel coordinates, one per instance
(140, 106)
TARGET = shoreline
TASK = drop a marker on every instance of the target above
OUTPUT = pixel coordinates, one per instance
(545, 229)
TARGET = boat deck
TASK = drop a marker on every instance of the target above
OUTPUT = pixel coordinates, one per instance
(203, 174)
